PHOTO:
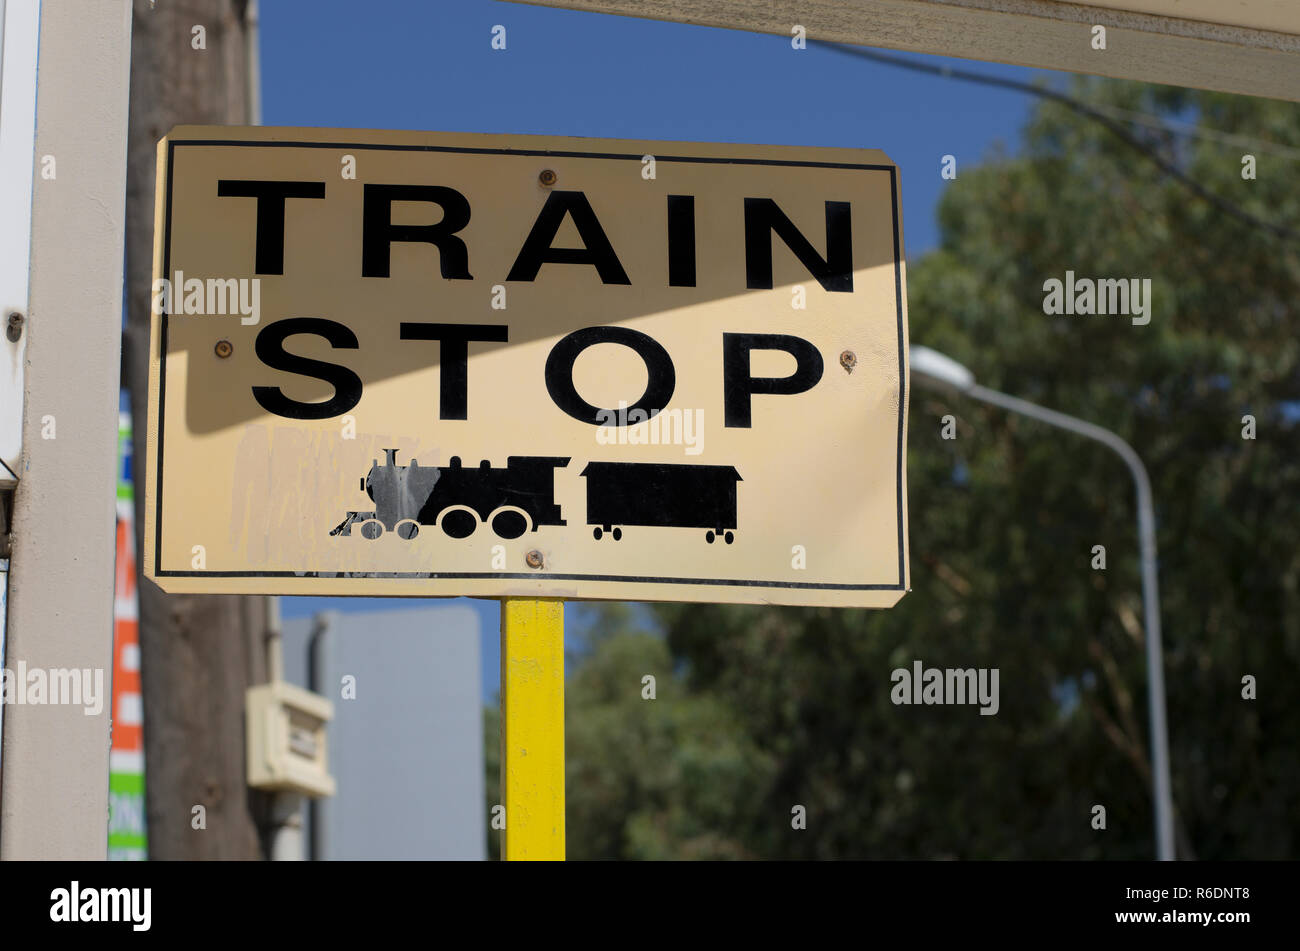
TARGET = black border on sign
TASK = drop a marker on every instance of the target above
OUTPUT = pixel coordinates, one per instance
(507, 575)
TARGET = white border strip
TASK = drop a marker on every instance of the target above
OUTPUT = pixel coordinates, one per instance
(20, 28)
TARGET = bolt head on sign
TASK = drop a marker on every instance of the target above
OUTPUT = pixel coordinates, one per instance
(441, 376)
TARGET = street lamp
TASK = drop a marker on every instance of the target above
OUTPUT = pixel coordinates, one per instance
(937, 371)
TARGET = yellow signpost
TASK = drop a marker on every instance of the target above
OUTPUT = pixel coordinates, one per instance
(532, 728)
(529, 369)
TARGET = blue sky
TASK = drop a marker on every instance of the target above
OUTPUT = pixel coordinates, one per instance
(416, 64)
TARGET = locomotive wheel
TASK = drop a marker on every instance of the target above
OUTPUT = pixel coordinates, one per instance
(459, 523)
(708, 537)
(596, 533)
(407, 528)
(509, 524)
(372, 529)
(729, 537)
(618, 534)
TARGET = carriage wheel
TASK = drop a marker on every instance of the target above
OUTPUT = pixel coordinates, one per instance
(618, 534)
(459, 523)
(729, 537)
(596, 533)
(407, 529)
(708, 537)
(509, 524)
(372, 529)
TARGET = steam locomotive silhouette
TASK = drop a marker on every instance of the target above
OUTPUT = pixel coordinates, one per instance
(521, 497)
(515, 499)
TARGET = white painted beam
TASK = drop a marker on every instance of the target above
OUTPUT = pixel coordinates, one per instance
(1242, 46)
(54, 801)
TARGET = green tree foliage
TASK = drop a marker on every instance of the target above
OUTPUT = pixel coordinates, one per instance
(763, 709)
(654, 771)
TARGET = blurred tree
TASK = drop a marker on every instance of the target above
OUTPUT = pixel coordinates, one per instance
(760, 710)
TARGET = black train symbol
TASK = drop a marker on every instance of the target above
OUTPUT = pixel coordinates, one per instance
(514, 499)
(661, 495)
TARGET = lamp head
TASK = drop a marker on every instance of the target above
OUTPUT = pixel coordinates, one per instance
(932, 369)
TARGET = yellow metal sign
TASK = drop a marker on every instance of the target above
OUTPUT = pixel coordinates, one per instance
(400, 363)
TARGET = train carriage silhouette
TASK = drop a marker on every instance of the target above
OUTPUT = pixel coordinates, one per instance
(661, 495)
(514, 499)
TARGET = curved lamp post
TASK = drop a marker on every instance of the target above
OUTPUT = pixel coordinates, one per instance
(936, 371)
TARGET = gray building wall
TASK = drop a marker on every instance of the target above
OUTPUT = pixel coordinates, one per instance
(407, 752)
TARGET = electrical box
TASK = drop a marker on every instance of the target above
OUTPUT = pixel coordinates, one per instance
(286, 739)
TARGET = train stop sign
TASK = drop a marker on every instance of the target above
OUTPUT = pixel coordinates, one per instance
(428, 364)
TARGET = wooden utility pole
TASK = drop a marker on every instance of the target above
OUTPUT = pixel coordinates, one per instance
(198, 653)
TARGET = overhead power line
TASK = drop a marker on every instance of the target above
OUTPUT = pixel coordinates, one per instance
(1082, 108)
(1202, 132)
